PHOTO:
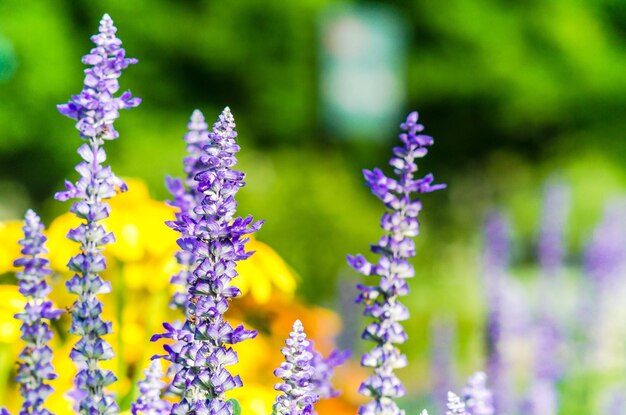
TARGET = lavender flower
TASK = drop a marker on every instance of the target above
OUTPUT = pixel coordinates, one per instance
(455, 405)
(478, 398)
(605, 255)
(297, 374)
(323, 370)
(186, 197)
(149, 401)
(548, 365)
(395, 248)
(551, 238)
(442, 361)
(95, 109)
(35, 367)
(496, 263)
(217, 240)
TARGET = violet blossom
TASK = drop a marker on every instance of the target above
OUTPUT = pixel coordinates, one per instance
(455, 405)
(551, 253)
(605, 254)
(95, 109)
(495, 267)
(35, 360)
(297, 372)
(442, 361)
(149, 401)
(324, 369)
(217, 240)
(186, 197)
(395, 248)
(477, 396)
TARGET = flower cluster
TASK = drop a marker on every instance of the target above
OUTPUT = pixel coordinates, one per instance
(149, 401)
(296, 373)
(217, 240)
(496, 259)
(212, 242)
(395, 248)
(35, 367)
(478, 398)
(186, 197)
(324, 369)
(455, 405)
(95, 109)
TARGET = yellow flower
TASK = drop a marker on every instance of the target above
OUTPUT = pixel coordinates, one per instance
(10, 234)
(264, 273)
(11, 302)
(139, 266)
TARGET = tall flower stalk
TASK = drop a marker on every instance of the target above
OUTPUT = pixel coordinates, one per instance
(551, 254)
(150, 389)
(442, 361)
(185, 197)
(496, 258)
(395, 248)
(455, 405)
(35, 360)
(324, 370)
(217, 240)
(297, 373)
(95, 109)
(477, 396)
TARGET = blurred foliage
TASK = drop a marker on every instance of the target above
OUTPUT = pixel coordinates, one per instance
(534, 82)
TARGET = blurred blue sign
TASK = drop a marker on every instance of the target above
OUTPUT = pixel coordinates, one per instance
(363, 61)
(8, 61)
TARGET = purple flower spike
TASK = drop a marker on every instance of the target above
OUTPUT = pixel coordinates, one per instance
(149, 401)
(455, 406)
(442, 361)
(324, 369)
(298, 389)
(215, 239)
(548, 363)
(395, 248)
(605, 255)
(186, 197)
(95, 109)
(551, 239)
(478, 398)
(495, 267)
(35, 360)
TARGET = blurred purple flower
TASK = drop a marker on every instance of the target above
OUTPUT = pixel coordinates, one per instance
(551, 253)
(477, 396)
(95, 109)
(442, 361)
(324, 369)
(217, 240)
(149, 401)
(551, 249)
(455, 405)
(298, 388)
(495, 264)
(395, 248)
(186, 197)
(35, 360)
(605, 254)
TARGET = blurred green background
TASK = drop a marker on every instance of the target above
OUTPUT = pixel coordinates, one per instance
(513, 92)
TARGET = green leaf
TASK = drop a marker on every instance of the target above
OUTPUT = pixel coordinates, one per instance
(234, 403)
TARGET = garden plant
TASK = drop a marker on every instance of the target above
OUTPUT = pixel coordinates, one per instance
(204, 341)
